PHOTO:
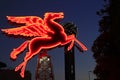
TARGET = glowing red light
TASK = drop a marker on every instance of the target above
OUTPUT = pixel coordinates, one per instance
(45, 34)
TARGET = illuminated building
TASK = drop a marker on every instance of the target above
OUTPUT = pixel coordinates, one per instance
(44, 67)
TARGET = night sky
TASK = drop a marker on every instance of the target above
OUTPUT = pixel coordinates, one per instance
(81, 12)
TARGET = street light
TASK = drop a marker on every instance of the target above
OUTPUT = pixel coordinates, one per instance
(89, 74)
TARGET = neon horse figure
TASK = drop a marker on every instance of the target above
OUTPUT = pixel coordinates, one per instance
(43, 34)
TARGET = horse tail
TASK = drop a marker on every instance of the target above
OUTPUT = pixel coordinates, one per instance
(17, 51)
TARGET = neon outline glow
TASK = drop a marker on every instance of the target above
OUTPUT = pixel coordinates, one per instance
(45, 34)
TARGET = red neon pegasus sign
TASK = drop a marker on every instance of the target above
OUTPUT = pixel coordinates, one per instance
(43, 34)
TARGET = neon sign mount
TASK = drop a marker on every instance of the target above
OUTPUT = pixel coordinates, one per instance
(44, 34)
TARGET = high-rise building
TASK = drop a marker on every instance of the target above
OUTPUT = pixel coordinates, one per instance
(44, 67)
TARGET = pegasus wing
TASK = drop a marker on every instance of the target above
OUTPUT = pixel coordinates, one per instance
(34, 26)
(25, 19)
(25, 31)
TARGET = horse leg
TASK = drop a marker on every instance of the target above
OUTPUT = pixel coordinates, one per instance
(70, 39)
(81, 45)
(17, 51)
(22, 66)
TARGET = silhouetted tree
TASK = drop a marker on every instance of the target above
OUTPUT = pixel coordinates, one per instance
(2, 65)
(106, 47)
(9, 74)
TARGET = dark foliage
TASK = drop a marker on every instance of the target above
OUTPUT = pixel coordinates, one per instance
(70, 28)
(106, 48)
(2, 65)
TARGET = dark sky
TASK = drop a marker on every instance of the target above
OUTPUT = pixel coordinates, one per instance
(80, 12)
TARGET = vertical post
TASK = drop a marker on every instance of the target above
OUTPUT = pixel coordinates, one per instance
(69, 55)
(69, 64)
